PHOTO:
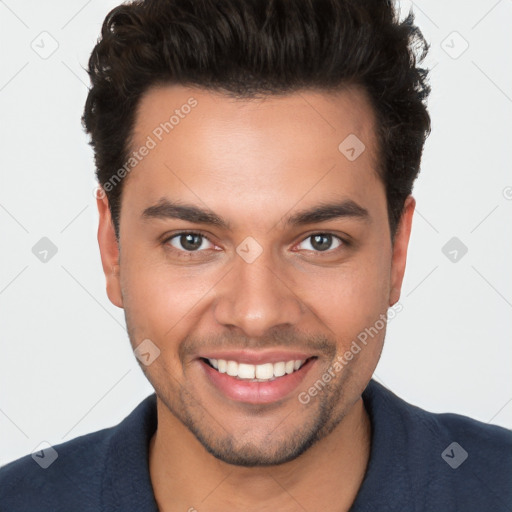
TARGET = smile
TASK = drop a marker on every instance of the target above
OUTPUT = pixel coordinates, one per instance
(265, 372)
(259, 383)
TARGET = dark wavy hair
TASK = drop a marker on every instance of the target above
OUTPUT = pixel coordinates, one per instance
(246, 48)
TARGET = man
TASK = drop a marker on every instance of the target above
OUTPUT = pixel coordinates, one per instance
(256, 162)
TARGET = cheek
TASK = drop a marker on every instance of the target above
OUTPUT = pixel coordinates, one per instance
(347, 304)
(351, 298)
(161, 298)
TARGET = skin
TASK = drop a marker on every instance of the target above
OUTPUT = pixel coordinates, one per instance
(254, 162)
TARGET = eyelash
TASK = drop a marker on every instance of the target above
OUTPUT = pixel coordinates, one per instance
(188, 254)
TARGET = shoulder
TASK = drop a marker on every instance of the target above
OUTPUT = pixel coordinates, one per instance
(66, 473)
(81, 474)
(472, 461)
(483, 439)
(448, 461)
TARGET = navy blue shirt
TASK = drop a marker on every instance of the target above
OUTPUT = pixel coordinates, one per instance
(419, 462)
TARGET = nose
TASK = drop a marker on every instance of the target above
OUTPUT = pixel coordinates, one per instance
(256, 297)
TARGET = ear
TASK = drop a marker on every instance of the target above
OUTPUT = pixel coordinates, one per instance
(109, 249)
(400, 250)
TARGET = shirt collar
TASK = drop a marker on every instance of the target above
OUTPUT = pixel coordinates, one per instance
(387, 484)
(127, 485)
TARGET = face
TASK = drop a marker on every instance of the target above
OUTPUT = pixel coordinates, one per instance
(252, 246)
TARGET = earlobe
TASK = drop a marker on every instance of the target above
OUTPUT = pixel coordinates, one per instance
(400, 247)
(109, 250)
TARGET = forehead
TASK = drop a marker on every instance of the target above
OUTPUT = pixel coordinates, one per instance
(247, 153)
(306, 113)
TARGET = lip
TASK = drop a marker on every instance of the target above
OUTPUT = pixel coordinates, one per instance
(257, 357)
(256, 392)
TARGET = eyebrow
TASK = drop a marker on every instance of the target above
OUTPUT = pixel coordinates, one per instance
(166, 209)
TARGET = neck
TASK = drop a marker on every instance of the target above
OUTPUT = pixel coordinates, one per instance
(325, 477)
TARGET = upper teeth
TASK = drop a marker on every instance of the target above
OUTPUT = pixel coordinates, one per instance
(259, 371)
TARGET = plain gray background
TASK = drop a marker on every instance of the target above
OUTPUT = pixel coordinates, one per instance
(66, 367)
